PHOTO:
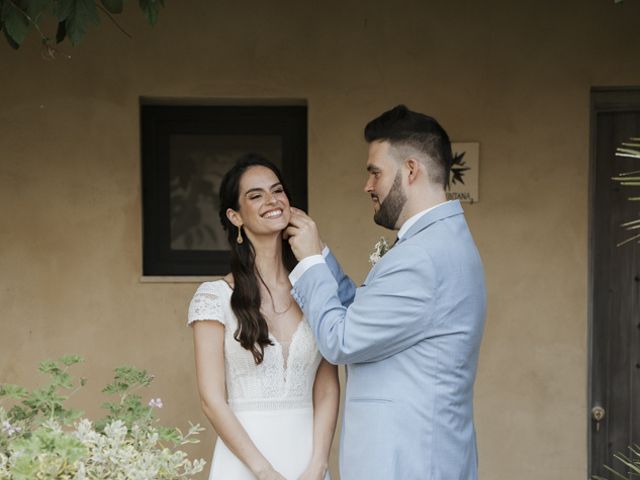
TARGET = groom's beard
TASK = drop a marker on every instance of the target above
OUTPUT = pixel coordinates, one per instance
(391, 207)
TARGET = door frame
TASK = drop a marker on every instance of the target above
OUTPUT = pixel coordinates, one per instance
(602, 99)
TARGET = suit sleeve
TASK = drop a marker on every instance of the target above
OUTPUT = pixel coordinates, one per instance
(346, 287)
(388, 315)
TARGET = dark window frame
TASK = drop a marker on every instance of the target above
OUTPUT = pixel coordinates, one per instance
(158, 123)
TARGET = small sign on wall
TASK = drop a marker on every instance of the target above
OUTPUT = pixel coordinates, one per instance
(465, 169)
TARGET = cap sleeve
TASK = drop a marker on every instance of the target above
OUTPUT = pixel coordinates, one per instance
(207, 304)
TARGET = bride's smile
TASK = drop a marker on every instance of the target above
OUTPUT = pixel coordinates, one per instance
(276, 213)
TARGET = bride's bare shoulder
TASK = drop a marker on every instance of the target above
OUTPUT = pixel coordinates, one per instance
(229, 279)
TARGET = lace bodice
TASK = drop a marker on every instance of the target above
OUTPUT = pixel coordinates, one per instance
(285, 377)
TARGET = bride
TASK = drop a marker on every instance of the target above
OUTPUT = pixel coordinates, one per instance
(268, 393)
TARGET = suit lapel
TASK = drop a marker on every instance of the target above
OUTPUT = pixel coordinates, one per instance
(441, 212)
(445, 210)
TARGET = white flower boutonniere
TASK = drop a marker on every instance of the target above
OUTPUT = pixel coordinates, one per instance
(379, 249)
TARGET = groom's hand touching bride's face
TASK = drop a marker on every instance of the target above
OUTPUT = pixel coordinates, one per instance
(303, 235)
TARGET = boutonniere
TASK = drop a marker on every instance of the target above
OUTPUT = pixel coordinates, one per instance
(379, 249)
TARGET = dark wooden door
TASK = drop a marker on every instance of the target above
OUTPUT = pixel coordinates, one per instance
(614, 334)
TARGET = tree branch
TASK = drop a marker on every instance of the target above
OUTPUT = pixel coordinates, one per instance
(108, 14)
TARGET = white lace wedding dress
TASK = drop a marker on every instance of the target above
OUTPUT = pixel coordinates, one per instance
(273, 400)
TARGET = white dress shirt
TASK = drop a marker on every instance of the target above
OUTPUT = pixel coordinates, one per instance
(305, 264)
(410, 222)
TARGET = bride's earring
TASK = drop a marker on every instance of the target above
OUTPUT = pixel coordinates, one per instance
(239, 238)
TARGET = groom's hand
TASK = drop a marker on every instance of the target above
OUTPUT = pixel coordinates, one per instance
(303, 236)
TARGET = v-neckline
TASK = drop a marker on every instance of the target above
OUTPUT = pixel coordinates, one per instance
(283, 361)
(293, 336)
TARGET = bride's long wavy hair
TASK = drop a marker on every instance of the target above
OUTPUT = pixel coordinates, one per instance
(252, 332)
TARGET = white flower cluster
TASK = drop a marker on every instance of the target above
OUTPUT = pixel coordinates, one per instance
(135, 455)
(10, 429)
(82, 453)
(379, 249)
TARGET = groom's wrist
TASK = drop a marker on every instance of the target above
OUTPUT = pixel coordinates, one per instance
(304, 265)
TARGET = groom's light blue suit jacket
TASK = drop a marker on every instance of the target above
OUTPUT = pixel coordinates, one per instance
(410, 337)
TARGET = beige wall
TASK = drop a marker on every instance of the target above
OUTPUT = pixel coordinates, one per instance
(514, 76)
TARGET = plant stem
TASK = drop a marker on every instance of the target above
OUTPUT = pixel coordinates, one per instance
(108, 14)
(45, 39)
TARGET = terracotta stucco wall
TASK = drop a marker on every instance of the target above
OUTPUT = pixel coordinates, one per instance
(514, 76)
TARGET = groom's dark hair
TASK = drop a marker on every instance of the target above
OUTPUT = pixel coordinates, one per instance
(403, 128)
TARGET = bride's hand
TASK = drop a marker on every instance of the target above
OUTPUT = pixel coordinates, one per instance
(269, 474)
(314, 472)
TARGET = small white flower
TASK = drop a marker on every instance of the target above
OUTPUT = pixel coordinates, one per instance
(379, 249)
(155, 403)
(10, 429)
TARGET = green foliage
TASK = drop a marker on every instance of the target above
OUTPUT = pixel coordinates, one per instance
(74, 17)
(15, 23)
(151, 9)
(127, 378)
(630, 149)
(13, 391)
(38, 440)
(50, 451)
(113, 6)
(77, 15)
(129, 408)
(631, 467)
(46, 402)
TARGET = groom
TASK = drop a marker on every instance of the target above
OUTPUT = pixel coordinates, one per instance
(410, 334)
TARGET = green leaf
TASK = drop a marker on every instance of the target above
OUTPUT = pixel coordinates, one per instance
(64, 380)
(18, 412)
(611, 470)
(13, 391)
(151, 8)
(126, 377)
(35, 8)
(49, 366)
(10, 40)
(16, 24)
(62, 9)
(113, 6)
(68, 416)
(69, 360)
(169, 434)
(82, 13)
